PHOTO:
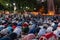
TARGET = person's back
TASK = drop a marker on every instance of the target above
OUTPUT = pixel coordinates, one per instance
(32, 29)
(1, 27)
(5, 38)
(49, 29)
(25, 27)
(18, 31)
(42, 31)
(4, 31)
(57, 32)
(10, 29)
(11, 36)
(55, 26)
(29, 37)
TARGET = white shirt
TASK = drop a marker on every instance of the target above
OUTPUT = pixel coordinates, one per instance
(4, 31)
(17, 30)
(30, 22)
(41, 32)
(57, 32)
(49, 29)
(52, 24)
(58, 24)
(2, 26)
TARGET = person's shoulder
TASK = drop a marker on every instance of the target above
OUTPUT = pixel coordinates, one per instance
(5, 38)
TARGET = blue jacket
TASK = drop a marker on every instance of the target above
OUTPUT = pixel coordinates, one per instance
(33, 29)
(55, 27)
(9, 29)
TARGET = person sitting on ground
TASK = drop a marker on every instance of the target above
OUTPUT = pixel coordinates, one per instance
(11, 36)
(14, 25)
(1, 26)
(25, 27)
(49, 29)
(57, 31)
(41, 32)
(32, 29)
(6, 31)
(18, 30)
(30, 36)
(55, 26)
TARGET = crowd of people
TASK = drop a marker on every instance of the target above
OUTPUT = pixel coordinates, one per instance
(13, 26)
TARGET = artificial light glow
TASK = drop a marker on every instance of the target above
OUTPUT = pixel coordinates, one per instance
(34, 8)
(7, 4)
(15, 8)
(13, 3)
(51, 13)
(35, 13)
(20, 7)
(26, 7)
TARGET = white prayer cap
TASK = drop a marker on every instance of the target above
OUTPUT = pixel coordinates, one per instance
(13, 21)
(30, 22)
(25, 22)
(40, 26)
(58, 24)
(49, 29)
(52, 24)
(3, 21)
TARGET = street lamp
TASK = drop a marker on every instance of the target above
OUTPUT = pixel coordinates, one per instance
(27, 7)
(7, 4)
(14, 4)
(21, 7)
(34, 8)
(14, 7)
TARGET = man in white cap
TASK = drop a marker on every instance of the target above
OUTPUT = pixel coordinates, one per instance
(49, 29)
(18, 31)
(57, 31)
(41, 32)
(6, 30)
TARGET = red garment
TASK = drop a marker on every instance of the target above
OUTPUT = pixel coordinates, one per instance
(13, 26)
(59, 26)
(29, 37)
(47, 36)
(25, 24)
(7, 18)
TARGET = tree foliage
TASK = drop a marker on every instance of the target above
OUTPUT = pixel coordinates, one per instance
(22, 4)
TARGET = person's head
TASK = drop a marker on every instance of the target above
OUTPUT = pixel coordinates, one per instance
(0, 23)
(9, 22)
(45, 27)
(45, 24)
(13, 36)
(25, 24)
(14, 24)
(9, 25)
(49, 24)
